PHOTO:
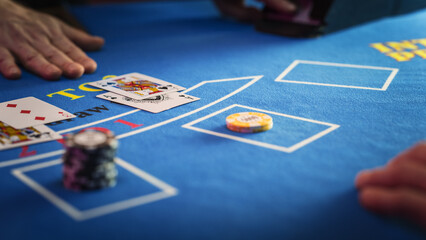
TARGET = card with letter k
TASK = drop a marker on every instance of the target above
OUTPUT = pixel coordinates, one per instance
(30, 112)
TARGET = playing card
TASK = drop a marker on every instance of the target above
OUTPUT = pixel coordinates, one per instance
(157, 104)
(137, 86)
(29, 112)
(11, 137)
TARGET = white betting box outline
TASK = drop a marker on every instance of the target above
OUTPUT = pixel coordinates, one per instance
(290, 149)
(253, 79)
(166, 191)
(385, 86)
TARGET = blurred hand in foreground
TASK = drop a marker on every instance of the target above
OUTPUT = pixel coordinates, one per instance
(399, 188)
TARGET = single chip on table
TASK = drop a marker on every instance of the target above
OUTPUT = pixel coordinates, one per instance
(249, 122)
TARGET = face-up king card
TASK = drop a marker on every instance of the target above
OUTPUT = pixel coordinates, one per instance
(11, 137)
(29, 112)
(156, 104)
(137, 86)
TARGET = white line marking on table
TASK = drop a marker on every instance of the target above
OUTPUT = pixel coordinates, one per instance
(131, 133)
(166, 191)
(385, 86)
(290, 149)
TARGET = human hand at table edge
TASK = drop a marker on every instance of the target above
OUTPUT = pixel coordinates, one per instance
(399, 188)
(42, 44)
(238, 10)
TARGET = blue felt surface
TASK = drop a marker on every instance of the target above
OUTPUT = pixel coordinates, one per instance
(227, 189)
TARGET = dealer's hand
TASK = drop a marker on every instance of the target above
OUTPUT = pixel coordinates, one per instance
(399, 188)
(42, 44)
(238, 10)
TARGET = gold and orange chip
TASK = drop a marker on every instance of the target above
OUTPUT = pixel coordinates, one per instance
(249, 121)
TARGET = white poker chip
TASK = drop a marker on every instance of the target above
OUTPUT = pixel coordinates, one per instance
(90, 138)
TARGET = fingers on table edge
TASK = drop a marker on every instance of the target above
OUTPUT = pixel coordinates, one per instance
(8, 68)
(407, 203)
(82, 39)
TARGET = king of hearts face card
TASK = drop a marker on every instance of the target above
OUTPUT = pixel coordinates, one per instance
(137, 86)
(11, 137)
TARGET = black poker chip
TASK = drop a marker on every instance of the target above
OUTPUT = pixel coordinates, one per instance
(88, 162)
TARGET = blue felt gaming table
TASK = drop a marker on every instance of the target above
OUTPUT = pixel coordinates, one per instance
(339, 106)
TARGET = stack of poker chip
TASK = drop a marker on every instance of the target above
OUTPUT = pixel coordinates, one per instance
(88, 162)
(249, 122)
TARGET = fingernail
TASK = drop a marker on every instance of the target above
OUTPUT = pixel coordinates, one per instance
(89, 66)
(75, 70)
(101, 40)
(361, 178)
(363, 174)
(290, 7)
(53, 73)
(13, 73)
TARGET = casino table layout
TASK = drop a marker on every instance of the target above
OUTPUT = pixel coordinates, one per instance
(340, 103)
